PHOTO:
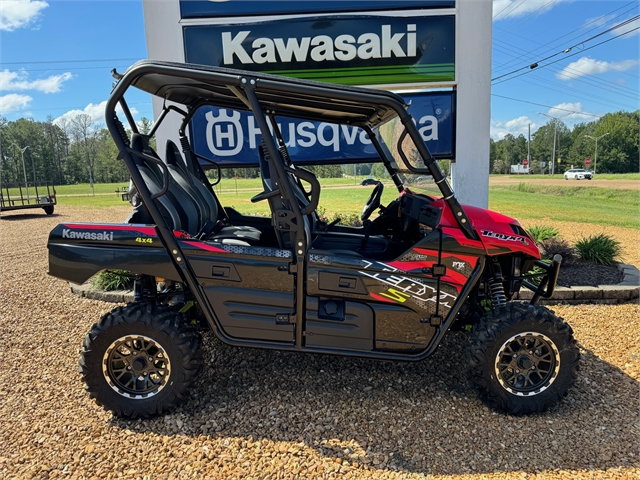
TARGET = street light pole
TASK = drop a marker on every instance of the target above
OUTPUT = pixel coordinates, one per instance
(595, 157)
(24, 170)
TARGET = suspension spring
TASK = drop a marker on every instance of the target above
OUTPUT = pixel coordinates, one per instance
(184, 142)
(496, 292)
(122, 132)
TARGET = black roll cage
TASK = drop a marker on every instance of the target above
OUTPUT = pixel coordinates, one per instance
(244, 87)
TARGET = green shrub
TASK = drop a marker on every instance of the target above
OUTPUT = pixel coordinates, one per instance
(598, 248)
(348, 219)
(540, 233)
(553, 246)
(113, 280)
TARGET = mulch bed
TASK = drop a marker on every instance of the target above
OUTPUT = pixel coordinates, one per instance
(581, 273)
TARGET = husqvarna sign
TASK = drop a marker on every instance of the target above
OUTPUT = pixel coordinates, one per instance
(351, 50)
(231, 138)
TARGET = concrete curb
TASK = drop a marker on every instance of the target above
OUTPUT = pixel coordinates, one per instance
(116, 296)
(628, 289)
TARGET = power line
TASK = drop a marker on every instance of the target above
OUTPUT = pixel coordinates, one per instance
(72, 61)
(510, 5)
(535, 65)
(504, 66)
(548, 106)
(603, 84)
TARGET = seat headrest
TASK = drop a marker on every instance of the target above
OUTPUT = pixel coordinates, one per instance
(173, 155)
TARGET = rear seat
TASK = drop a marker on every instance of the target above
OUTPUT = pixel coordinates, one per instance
(187, 205)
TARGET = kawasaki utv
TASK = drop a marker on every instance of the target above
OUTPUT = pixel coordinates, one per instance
(390, 289)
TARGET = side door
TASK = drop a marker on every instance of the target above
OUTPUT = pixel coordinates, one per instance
(249, 289)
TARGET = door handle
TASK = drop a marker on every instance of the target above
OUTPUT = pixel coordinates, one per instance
(347, 282)
(217, 271)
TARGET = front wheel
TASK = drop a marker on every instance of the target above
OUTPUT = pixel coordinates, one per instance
(140, 360)
(48, 209)
(522, 358)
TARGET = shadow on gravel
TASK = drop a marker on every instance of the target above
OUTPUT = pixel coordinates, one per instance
(412, 417)
(27, 216)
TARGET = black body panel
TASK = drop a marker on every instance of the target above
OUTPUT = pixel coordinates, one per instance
(79, 251)
(334, 323)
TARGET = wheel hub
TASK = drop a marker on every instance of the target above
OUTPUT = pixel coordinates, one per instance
(527, 364)
(136, 366)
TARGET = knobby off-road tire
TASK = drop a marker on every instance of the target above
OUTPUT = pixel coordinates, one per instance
(140, 360)
(522, 358)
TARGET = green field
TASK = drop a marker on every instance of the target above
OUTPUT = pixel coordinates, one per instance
(559, 175)
(584, 204)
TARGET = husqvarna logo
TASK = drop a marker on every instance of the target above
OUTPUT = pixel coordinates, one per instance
(224, 133)
(371, 45)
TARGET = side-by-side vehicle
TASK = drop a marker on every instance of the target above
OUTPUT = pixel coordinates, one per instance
(388, 290)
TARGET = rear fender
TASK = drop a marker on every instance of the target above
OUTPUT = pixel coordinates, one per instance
(79, 251)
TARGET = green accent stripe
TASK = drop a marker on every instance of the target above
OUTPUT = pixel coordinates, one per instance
(376, 75)
(372, 68)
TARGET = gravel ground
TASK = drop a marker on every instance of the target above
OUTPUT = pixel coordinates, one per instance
(266, 414)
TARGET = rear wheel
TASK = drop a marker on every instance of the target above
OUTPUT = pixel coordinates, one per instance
(522, 358)
(140, 360)
(48, 209)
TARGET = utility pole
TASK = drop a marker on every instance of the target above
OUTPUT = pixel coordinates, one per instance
(555, 131)
(24, 170)
(595, 157)
(529, 149)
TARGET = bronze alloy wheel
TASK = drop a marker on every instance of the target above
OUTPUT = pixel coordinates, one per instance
(136, 366)
(527, 364)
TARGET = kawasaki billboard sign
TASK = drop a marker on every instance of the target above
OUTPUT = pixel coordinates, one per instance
(346, 49)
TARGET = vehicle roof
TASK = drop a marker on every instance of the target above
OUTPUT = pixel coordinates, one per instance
(193, 85)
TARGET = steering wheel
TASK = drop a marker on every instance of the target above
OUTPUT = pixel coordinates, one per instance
(373, 203)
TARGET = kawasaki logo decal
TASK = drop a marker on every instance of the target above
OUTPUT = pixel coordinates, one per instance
(66, 233)
(346, 49)
(321, 47)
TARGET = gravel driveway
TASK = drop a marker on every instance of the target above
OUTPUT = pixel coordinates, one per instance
(266, 414)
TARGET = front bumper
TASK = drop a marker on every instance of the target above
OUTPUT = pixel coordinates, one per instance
(548, 282)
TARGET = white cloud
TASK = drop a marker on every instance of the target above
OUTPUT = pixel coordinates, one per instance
(589, 66)
(503, 9)
(19, 13)
(95, 111)
(12, 102)
(627, 28)
(569, 111)
(18, 81)
(515, 127)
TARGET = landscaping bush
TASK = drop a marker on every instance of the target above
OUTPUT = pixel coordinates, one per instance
(348, 219)
(598, 248)
(540, 233)
(553, 246)
(113, 280)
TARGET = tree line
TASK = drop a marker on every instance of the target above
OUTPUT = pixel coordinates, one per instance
(617, 149)
(69, 151)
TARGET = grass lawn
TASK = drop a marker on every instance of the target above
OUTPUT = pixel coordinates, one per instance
(584, 204)
(559, 175)
(601, 206)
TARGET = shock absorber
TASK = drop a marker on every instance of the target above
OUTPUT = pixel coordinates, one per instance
(496, 287)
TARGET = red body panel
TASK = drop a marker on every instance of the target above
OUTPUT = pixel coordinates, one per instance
(495, 230)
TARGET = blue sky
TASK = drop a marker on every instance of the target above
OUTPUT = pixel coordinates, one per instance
(56, 56)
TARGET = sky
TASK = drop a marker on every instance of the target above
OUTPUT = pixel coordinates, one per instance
(56, 57)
